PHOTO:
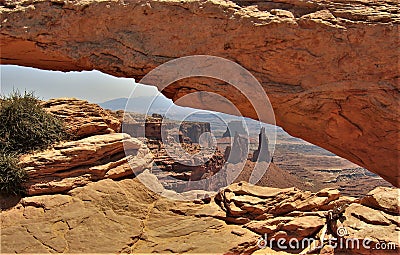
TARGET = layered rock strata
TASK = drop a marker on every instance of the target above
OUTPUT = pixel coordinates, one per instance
(86, 196)
(82, 119)
(124, 216)
(328, 67)
(73, 164)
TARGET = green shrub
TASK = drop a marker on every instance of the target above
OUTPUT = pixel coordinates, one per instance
(25, 126)
(11, 175)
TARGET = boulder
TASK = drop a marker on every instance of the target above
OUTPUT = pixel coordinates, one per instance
(76, 163)
(383, 198)
(304, 226)
(82, 118)
(288, 227)
(291, 213)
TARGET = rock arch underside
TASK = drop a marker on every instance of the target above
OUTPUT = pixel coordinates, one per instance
(330, 68)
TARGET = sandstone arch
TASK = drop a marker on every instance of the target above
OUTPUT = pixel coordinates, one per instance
(330, 68)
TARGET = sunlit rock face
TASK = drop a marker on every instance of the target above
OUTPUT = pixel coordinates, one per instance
(88, 188)
(330, 68)
(130, 218)
(73, 164)
(81, 118)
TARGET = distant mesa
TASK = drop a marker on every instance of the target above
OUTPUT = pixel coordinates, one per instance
(348, 106)
(157, 127)
(194, 130)
(114, 104)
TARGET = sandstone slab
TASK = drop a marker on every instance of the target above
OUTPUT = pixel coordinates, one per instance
(72, 164)
(328, 67)
(82, 118)
(116, 216)
(378, 228)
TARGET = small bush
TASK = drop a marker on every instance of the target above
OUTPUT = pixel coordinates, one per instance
(25, 126)
(11, 175)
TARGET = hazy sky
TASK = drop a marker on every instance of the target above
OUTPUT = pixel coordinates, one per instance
(93, 86)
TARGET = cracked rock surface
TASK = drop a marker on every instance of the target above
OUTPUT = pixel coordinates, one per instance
(124, 216)
(87, 196)
(76, 163)
(115, 216)
(81, 118)
(330, 68)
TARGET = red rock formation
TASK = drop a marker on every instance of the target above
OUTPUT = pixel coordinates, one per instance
(81, 118)
(194, 130)
(274, 176)
(177, 171)
(291, 213)
(74, 164)
(83, 198)
(155, 127)
(330, 68)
